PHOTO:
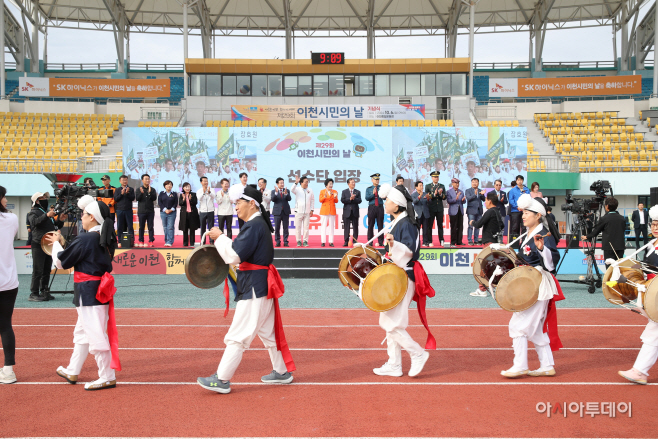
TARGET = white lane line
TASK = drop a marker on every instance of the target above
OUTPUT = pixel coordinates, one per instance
(336, 326)
(219, 309)
(337, 349)
(392, 383)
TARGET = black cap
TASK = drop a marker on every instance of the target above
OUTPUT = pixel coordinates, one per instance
(105, 177)
(374, 176)
(252, 192)
(434, 174)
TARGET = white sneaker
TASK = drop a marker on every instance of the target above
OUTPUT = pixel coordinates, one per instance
(440, 244)
(100, 384)
(7, 378)
(479, 293)
(418, 363)
(388, 370)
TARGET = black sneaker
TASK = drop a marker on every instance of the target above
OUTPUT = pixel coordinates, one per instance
(331, 245)
(36, 298)
(322, 245)
(278, 244)
(214, 384)
(285, 244)
(47, 295)
(345, 245)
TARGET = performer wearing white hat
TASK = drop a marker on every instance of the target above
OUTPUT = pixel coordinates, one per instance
(403, 248)
(259, 287)
(95, 332)
(539, 322)
(649, 351)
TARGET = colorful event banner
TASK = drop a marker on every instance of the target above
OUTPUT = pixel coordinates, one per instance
(92, 88)
(327, 112)
(572, 86)
(186, 154)
(172, 261)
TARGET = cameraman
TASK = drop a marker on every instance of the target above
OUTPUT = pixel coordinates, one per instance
(42, 220)
(613, 226)
(110, 200)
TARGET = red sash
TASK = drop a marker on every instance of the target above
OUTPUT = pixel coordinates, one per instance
(105, 294)
(550, 324)
(275, 290)
(423, 290)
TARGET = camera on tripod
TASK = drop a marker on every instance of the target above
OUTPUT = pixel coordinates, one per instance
(583, 206)
(69, 194)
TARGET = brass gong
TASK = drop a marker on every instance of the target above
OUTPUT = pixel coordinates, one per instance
(205, 268)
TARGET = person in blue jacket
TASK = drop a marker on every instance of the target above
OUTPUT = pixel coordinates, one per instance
(515, 214)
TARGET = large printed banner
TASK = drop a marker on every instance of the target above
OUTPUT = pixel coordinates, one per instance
(172, 261)
(186, 154)
(578, 86)
(327, 112)
(92, 88)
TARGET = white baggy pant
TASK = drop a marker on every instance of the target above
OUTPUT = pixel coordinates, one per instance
(327, 221)
(527, 326)
(90, 337)
(395, 322)
(302, 223)
(649, 351)
(252, 317)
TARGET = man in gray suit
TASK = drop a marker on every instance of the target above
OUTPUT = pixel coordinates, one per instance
(474, 199)
(420, 200)
(456, 200)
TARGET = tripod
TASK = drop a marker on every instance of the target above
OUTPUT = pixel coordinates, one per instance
(73, 225)
(592, 267)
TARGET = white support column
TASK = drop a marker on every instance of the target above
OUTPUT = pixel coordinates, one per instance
(185, 86)
(530, 48)
(624, 36)
(128, 49)
(471, 44)
(34, 63)
(45, 47)
(614, 39)
(2, 57)
(655, 60)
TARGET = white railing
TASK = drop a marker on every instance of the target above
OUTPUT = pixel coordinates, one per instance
(161, 113)
(487, 112)
(551, 163)
(99, 164)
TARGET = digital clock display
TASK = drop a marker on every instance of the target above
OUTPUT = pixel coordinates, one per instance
(327, 58)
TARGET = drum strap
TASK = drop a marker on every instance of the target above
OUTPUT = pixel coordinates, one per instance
(550, 324)
(105, 293)
(423, 290)
(275, 290)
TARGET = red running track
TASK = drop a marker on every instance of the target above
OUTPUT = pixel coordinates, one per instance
(459, 393)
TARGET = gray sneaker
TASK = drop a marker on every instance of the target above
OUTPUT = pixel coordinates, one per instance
(305, 243)
(214, 384)
(299, 243)
(276, 378)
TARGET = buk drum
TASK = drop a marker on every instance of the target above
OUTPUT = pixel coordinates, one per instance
(380, 285)
(518, 289)
(488, 260)
(630, 289)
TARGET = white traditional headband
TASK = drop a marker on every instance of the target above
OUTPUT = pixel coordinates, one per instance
(526, 202)
(393, 194)
(237, 191)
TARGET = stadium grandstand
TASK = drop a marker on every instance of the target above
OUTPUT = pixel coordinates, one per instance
(582, 130)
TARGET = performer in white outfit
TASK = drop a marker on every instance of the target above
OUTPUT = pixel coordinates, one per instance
(95, 331)
(649, 351)
(304, 203)
(259, 287)
(538, 323)
(403, 247)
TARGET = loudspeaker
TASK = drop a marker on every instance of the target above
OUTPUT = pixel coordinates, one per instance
(127, 240)
(653, 197)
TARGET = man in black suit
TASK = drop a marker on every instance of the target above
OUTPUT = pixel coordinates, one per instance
(640, 218)
(351, 198)
(281, 212)
(502, 202)
(613, 226)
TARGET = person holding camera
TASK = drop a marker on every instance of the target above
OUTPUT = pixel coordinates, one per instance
(109, 201)
(42, 220)
(145, 196)
(613, 227)
(492, 226)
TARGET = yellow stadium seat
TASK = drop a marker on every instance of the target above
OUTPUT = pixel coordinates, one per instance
(449, 123)
(442, 122)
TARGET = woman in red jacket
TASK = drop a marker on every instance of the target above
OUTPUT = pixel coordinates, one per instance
(328, 199)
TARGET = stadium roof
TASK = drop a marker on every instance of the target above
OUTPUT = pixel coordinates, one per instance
(320, 17)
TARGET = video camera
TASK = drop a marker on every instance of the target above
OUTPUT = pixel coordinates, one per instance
(69, 194)
(583, 206)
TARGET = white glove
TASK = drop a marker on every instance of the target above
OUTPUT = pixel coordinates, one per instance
(611, 261)
(496, 246)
